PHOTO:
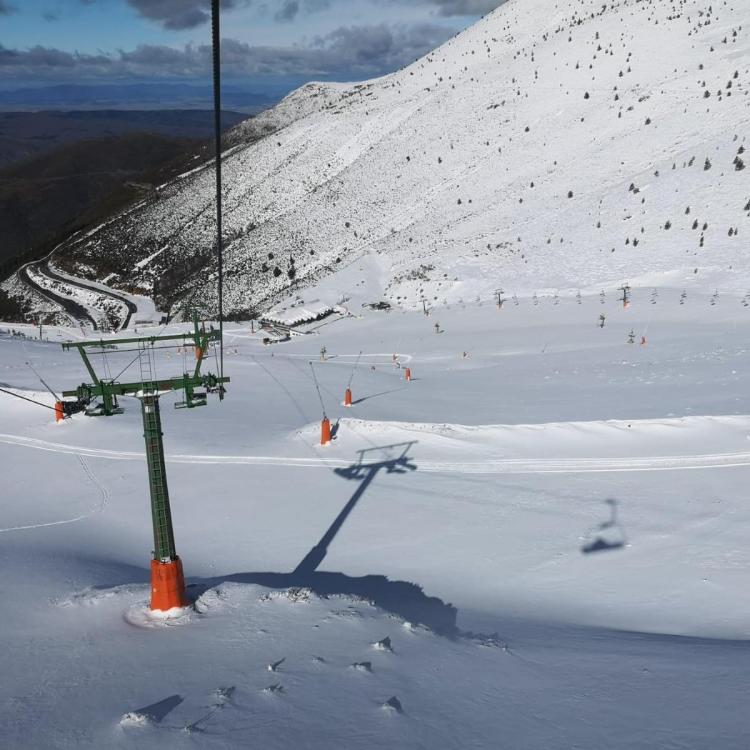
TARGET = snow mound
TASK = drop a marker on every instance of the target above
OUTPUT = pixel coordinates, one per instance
(215, 599)
(96, 596)
(293, 595)
(383, 645)
(142, 616)
(606, 445)
(134, 719)
(393, 704)
(362, 666)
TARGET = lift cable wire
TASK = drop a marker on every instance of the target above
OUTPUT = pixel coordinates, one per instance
(216, 357)
(354, 370)
(152, 363)
(31, 400)
(41, 379)
(105, 364)
(128, 366)
(216, 46)
(317, 388)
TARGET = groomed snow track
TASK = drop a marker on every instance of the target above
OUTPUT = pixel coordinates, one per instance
(496, 466)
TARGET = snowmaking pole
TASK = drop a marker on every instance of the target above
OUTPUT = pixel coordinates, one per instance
(216, 46)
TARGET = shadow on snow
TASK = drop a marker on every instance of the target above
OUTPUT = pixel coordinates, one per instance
(402, 598)
(608, 535)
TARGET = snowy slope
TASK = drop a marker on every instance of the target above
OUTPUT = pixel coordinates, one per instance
(551, 531)
(454, 175)
(548, 523)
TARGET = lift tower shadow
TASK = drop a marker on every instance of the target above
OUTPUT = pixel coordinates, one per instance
(404, 599)
(364, 472)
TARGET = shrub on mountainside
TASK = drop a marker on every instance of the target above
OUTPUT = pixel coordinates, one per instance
(10, 309)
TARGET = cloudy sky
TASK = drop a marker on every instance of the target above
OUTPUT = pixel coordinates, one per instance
(265, 41)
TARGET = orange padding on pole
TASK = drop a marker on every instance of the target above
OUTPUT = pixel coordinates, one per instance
(59, 413)
(167, 585)
(325, 431)
(198, 352)
(348, 397)
(407, 374)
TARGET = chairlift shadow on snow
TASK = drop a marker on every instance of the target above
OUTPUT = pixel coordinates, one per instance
(402, 598)
(364, 472)
(608, 535)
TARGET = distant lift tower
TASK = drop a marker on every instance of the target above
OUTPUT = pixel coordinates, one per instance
(167, 579)
(625, 299)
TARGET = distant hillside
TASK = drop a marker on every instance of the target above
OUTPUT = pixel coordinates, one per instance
(135, 96)
(44, 198)
(24, 135)
(551, 146)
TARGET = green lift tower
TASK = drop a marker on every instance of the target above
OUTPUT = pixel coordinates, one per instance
(100, 398)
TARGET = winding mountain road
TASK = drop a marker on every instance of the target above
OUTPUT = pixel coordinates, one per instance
(73, 309)
(44, 268)
(70, 306)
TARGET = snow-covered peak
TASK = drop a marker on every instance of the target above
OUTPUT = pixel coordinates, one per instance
(555, 145)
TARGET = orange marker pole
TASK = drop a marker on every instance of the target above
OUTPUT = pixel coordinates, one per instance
(325, 431)
(407, 374)
(348, 397)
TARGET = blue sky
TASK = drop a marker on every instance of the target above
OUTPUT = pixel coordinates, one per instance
(90, 41)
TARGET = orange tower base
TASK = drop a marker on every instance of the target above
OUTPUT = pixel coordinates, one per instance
(167, 585)
(407, 374)
(59, 413)
(348, 397)
(325, 431)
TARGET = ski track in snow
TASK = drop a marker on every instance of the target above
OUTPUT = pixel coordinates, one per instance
(499, 466)
(91, 477)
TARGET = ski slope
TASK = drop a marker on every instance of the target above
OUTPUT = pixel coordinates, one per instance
(538, 542)
(547, 525)
(462, 441)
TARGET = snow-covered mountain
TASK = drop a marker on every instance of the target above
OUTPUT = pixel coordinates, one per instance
(553, 145)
